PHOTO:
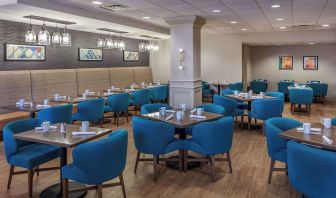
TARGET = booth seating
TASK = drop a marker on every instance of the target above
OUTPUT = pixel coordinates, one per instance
(37, 85)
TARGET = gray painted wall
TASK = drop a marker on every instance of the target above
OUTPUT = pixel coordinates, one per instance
(64, 57)
(265, 60)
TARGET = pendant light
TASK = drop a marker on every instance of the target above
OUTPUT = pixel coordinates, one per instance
(121, 44)
(44, 36)
(142, 46)
(100, 42)
(108, 44)
(30, 36)
(66, 38)
(56, 37)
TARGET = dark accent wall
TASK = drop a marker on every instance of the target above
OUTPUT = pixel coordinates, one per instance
(58, 57)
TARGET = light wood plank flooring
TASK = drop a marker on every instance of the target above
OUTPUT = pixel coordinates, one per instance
(249, 178)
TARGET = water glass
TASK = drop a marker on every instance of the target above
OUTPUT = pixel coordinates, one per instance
(326, 122)
(179, 115)
(199, 111)
(85, 126)
(306, 128)
(163, 111)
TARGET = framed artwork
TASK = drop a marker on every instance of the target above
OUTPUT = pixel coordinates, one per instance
(17, 52)
(131, 56)
(85, 54)
(285, 62)
(310, 62)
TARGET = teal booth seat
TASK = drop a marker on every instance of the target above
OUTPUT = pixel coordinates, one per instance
(139, 98)
(90, 110)
(151, 108)
(237, 86)
(97, 162)
(277, 146)
(258, 85)
(118, 105)
(25, 154)
(57, 114)
(211, 139)
(311, 170)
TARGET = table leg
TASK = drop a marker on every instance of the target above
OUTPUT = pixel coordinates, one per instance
(253, 126)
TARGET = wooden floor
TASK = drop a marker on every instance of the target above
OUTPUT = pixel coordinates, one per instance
(249, 178)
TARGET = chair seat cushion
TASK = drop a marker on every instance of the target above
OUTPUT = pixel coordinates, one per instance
(252, 114)
(242, 105)
(238, 112)
(107, 108)
(131, 103)
(34, 155)
(281, 155)
(77, 116)
(70, 171)
(191, 145)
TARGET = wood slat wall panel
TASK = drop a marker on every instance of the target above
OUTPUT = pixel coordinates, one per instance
(142, 74)
(121, 77)
(96, 79)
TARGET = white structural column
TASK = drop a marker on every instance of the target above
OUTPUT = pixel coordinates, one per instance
(185, 75)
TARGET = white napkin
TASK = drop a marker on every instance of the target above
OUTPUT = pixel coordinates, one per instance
(39, 106)
(169, 117)
(129, 89)
(80, 99)
(312, 129)
(61, 97)
(91, 93)
(256, 97)
(40, 128)
(84, 133)
(327, 140)
(108, 94)
(193, 111)
(115, 89)
(196, 116)
(25, 103)
(170, 111)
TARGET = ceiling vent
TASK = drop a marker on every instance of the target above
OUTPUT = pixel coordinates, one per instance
(115, 7)
(303, 27)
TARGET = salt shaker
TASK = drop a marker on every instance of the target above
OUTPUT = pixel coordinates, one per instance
(62, 127)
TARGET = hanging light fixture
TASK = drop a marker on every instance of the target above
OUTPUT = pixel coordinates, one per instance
(149, 46)
(56, 37)
(44, 36)
(108, 43)
(142, 46)
(121, 44)
(30, 36)
(100, 42)
(156, 47)
(66, 38)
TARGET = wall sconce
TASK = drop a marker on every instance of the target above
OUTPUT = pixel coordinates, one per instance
(181, 56)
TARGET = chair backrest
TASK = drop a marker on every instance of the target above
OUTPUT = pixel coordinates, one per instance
(301, 96)
(213, 108)
(311, 170)
(118, 102)
(151, 108)
(141, 97)
(229, 104)
(319, 89)
(275, 94)
(237, 86)
(102, 160)
(283, 86)
(92, 110)
(13, 145)
(159, 93)
(268, 108)
(333, 121)
(214, 137)
(274, 127)
(227, 92)
(57, 114)
(150, 136)
(258, 86)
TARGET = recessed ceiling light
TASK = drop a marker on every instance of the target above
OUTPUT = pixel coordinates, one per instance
(233, 22)
(311, 43)
(280, 19)
(275, 6)
(244, 29)
(325, 25)
(283, 27)
(216, 11)
(96, 2)
(146, 17)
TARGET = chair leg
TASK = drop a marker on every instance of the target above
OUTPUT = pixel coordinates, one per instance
(255, 120)
(155, 167)
(101, 123)
(185, 160)
(286, 169)
(212, 164)
(117, 119)
(37, 171)
(11, 171)
(127, 116)
(30, 182)
(229, 161)
(271, 171)
(181, 153)
(136, 162)
(65, 184)
(242, 122)
(100, 191)
(249, 123)
(263, 127)
(121, 178)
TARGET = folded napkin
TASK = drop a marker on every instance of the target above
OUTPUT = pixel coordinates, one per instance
(169, 117)
(170, 111)
(108, 94)
(41, 128)
(116, 89)
(196, 116)
(84, 133)
(80, 98)
(91, 93)
(193, 111)
(61, 97)
(312, 129)
(39, 106)
(327, 140)
(129, 89)
(256, 97)
(25, 103)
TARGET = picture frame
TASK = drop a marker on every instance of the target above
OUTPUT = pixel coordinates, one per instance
(90, 54)
(23, 52)
(310, 62)
(130, 56)
(286, 62)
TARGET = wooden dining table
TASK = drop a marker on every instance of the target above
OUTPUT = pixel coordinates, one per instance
(64, 140)
(220, 86)
(32, 110)
(314, 138)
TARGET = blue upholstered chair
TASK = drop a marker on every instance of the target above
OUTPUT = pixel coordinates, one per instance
(210, 139)
(159, 93)
(240, 104)
(277, 146)
(57, 114)
(155, 138)
(24, 154)
(275, 94)
(213, 108)
(333, 121)
(237, 86)
(230, 106)
(206, 91)
(320, 90)
(301, 97)
(139, 98)
(264, 109)
(118, 105)
(258, 86)
(151, 108)
(283, 87)
(95, 163)
(90, 110)
(311, 170)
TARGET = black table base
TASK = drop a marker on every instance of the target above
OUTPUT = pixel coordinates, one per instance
(252, 126)
(54, 191)
(175, 164)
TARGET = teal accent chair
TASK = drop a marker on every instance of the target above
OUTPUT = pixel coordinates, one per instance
(277, 146)
(158, 94)
(258, 86)
(57, 114)
(237, 86)
(333, 121)
(283, 87)
(95, 163)
(275, 94)
(311, 170)
(301, 97)
(210, 139)
(90, 110)
(25, 154)
(139, 98)
(118, 105)
(151, 108)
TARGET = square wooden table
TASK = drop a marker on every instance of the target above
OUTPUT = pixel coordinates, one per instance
(64, 141)
(71, 101)
(248, 100)
(315, 138)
